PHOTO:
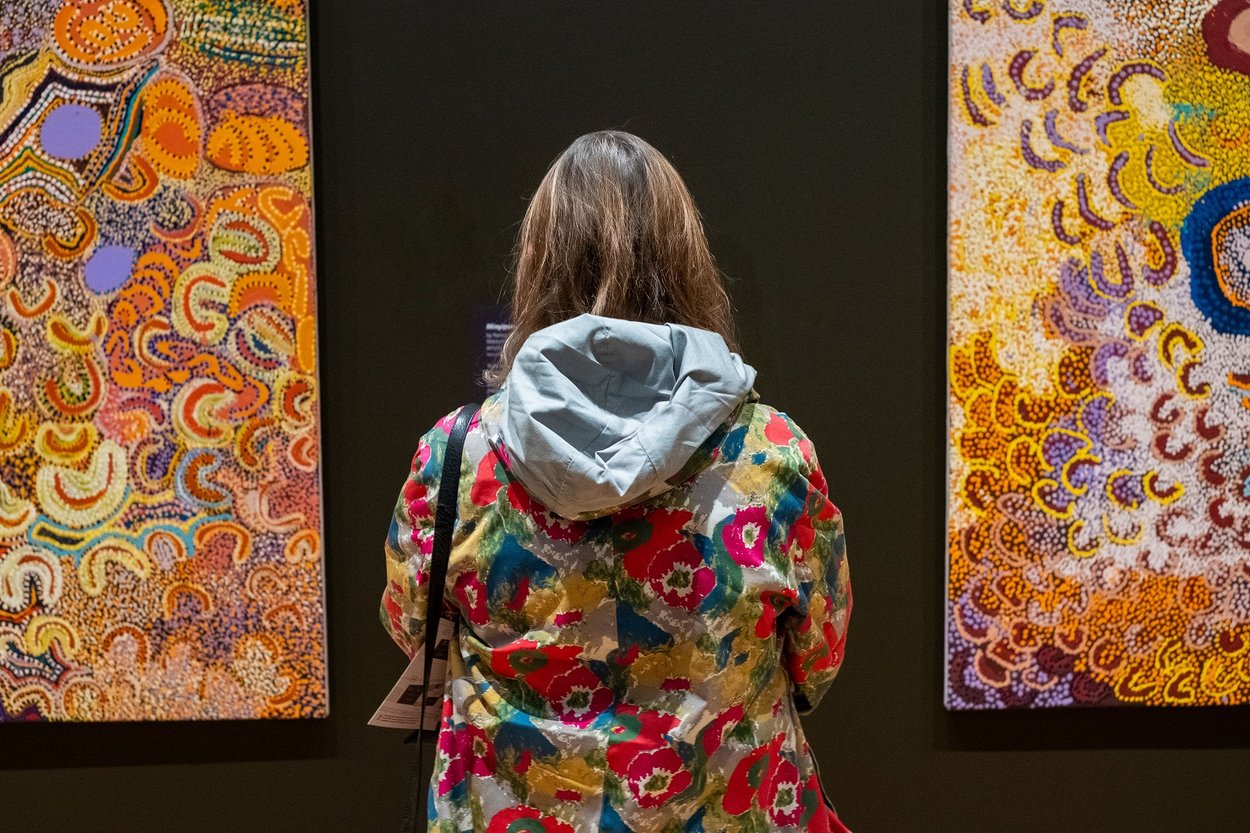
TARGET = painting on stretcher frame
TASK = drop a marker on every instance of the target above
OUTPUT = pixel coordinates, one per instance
(160, 492)
(1098, 544)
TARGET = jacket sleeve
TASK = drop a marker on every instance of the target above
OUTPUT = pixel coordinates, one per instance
(410, 541)
(815, 630)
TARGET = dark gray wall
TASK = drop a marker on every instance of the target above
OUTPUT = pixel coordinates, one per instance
(812, 136)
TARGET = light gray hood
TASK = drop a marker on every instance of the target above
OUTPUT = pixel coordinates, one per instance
(596, 413)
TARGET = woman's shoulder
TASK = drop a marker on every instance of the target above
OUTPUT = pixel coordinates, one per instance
(759, 412)
(773, 431)
(438, 434)
(427, 461)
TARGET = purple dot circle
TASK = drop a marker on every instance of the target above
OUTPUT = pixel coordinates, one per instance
(108, 268)
(71, 131)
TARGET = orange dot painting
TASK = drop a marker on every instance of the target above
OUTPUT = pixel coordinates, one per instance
(1099, 354)
(160, 479)
(108, 33)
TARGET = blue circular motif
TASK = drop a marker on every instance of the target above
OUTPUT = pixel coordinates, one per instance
(1218, 278)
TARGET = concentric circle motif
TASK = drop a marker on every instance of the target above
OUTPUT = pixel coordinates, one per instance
(1216, 241)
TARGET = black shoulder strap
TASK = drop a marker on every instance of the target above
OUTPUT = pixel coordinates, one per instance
(444, 526)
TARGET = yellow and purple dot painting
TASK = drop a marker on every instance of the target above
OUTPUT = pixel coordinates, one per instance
(160, 497)
(1099, 353)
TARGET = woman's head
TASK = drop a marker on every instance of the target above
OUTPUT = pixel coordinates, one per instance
(612, 230)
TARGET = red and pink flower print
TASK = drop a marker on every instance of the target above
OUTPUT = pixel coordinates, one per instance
(486, 483)
(679, 576)
(394, 611)
(467, 748)
(752, 781)
(744, 537)
(522, 657)
(420, 516)
(824, 653)
(817, 478)
(666, 560)
(769, 779)
(780, 431)
(783, 800)
(777, 431)
(574, 692)
(641, 756)
(518, 498)
(422, 458)
(416, 494)
(471, 594)
(527, 820)
(577, 695)
(714, 733)
(774, 601)
(803, 532)
(644, 533)
(555, 527)
(655, 776)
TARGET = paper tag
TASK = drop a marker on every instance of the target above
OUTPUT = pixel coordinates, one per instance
(402, 707)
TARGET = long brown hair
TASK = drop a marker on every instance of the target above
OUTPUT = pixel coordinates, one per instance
(612, 230)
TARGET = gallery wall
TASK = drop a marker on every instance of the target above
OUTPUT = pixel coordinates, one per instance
(812, 136)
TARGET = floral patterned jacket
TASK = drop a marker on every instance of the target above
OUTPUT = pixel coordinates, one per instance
(643, 670)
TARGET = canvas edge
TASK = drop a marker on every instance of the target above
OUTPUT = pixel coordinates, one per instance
(948, 700)
(323, 709)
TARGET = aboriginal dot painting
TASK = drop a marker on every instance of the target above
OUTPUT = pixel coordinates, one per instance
(1099, 353)
(160, 521)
